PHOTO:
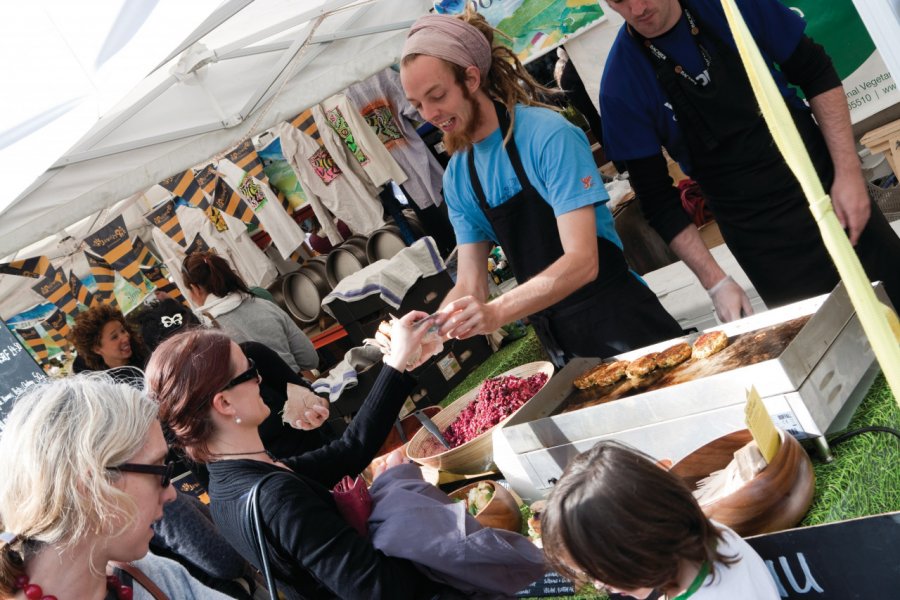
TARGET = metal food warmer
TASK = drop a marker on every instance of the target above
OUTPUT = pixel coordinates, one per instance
(810, 361)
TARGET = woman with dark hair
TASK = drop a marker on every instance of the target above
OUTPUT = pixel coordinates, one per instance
(225, 301)
(209, 397)
(105, 340)
(620, 521)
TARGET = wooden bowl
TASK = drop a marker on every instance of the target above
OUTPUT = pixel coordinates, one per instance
(502, 510)
(777, 498)
(410, 425)
(476, 455)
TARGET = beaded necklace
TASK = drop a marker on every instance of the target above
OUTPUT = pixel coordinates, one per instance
(117, 590)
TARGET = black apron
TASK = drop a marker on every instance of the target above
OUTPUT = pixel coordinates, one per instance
(607, 316)
(758, 204)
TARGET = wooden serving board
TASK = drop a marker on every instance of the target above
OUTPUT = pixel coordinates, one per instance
(743, 349)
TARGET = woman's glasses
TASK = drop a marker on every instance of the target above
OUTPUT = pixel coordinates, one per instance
(164, 471)
(250, 373)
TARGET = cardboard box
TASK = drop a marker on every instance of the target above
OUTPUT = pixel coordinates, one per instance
(710, 234)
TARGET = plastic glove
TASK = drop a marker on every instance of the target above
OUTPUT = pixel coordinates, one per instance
(406, 352)
(730, 300)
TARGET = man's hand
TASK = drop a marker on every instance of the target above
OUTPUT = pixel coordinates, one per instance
(851, 204)
(730, 300)
(467, 317)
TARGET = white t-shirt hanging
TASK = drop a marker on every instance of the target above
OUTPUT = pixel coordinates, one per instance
(382, 102)
(330, 187)
(284, 231)
(340, 122)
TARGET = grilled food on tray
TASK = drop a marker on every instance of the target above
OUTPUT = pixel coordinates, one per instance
(709, 343)
(602, 374)
(675, 355)
(641, 366)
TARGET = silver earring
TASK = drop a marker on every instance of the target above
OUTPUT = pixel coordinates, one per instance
(238, 420)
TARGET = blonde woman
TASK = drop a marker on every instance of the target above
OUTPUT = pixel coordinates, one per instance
(84, 478)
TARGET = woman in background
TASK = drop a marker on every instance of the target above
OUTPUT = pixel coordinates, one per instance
(621, 522)
(105, 340)
(225, 301)
(84, 478)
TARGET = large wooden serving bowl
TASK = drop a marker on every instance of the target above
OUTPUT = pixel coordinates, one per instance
(776, 499)
(502, 510)
(476, 455)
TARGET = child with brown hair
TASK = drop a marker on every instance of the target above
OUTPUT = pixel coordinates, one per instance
(619, 521)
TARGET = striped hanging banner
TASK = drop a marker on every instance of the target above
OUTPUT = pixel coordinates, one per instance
(81, 292)
(198, 245)
(155, 274)
(57, 328)
(111, 242)
(55, 288)
(229, 201)
(145, 257)
(307, 124)
(34, 342)
(105, 277)
(206, 180)
(29, 267)
(245, 157)
(165, 218)
(184, 186)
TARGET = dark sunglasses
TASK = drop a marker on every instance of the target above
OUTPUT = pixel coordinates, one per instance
(165, 471)
(250, 373)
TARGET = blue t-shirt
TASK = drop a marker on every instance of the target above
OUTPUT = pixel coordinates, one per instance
(637, 117)
(557, 159)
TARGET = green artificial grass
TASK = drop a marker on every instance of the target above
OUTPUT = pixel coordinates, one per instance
(863, 479)
(522, 351)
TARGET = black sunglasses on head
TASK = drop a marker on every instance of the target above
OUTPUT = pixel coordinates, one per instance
(164, 471)
(250, 373)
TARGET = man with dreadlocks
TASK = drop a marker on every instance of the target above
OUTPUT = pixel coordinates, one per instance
(522, 176)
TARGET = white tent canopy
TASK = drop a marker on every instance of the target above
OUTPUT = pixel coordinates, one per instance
(250, 65)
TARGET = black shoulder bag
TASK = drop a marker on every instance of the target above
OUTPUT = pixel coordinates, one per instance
(253, 519)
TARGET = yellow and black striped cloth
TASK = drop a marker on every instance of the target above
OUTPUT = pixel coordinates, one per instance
(245, 157)
(82, 294)
(112, 243)
(224, 197)
(57, 322)
(145, 257)
(198, 245)
(55, 288)
(34, 342)
(184, 186)
(105, 277)
(164, 217)
(155, 274)
(307, 124)
(29, 267)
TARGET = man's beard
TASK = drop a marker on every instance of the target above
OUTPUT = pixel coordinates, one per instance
(461, 138)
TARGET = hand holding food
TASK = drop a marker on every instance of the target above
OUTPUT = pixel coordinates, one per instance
(404, 345)
(303, 408)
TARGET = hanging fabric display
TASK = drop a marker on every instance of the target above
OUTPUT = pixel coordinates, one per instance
(245, 157)
(166, 220)
(349, 126)
(105, 277)
(198, 245)
(332, 188)
(284, 231)
(29, 267)
(34, 342)
(224, 198)
(155, 274)
(82, 294)
(111, 243)
(145, 257)
(57, 328)
(55, 288)
(306, 123)
(184, 186)
(381, 101)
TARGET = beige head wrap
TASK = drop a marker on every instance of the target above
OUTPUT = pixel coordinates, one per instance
(451, 39)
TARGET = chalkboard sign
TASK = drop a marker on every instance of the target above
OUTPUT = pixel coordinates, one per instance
(848, 560)
(18, 371)
(553, 584)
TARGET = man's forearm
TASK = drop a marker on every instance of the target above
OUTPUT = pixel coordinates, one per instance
(689, 247)
(833, 117)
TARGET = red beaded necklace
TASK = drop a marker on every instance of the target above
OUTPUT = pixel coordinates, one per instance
(34, 592)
